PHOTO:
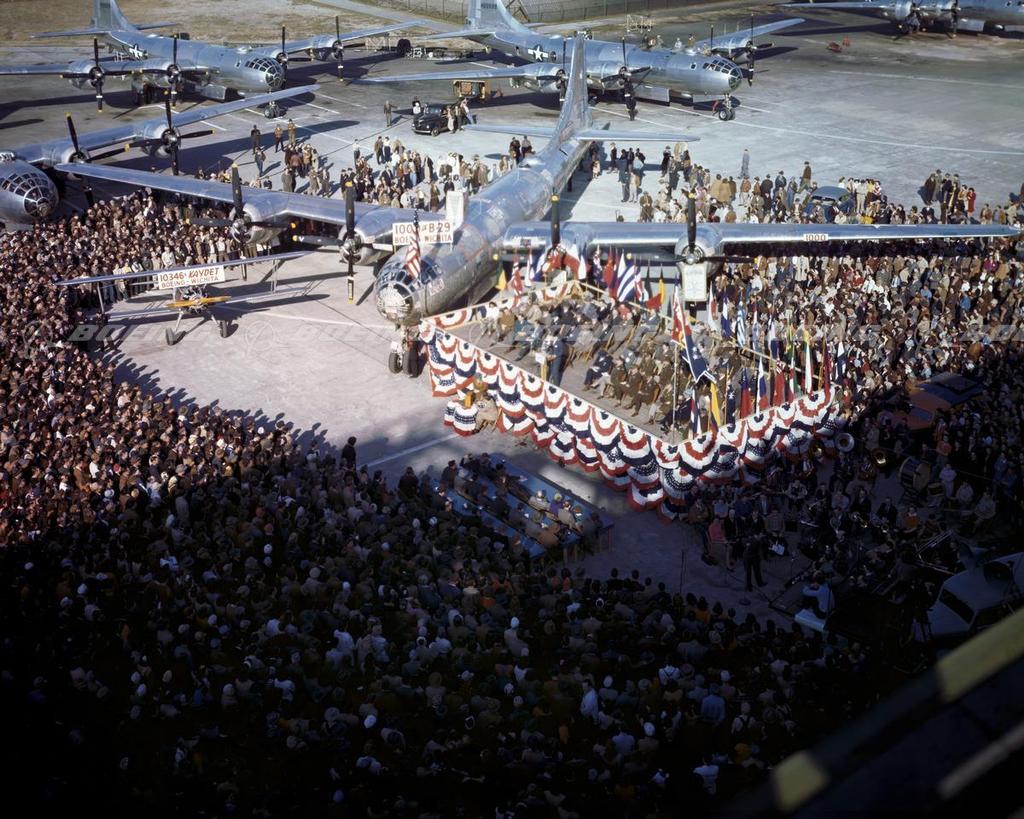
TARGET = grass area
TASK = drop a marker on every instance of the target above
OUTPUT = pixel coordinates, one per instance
(213, 20)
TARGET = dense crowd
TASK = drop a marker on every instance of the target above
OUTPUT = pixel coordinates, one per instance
(204, 615)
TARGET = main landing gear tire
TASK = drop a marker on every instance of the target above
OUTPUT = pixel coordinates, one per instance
(395, 363)
(726, 114)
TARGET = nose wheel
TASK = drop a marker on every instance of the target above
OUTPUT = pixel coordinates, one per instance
(272, 110)
(724, 109)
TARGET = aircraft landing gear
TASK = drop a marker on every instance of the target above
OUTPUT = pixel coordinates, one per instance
(271, 110)
(725, 110)
(405, 354)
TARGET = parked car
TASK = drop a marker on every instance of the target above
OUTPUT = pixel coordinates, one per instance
(941, 392)
(975, 599)
(433, 120)
(832, 198)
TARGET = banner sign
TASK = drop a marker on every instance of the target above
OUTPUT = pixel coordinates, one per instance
(432, 233)
(189, 277)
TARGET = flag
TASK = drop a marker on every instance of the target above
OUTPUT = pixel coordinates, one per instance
(746, 402)
(694, 413)
(681, 334)
(626, 279)
(517, 278)
(642, 296)
(825, 373)
(715, 417)
(763, 399)
(839, 368)
(741, 325)
(575, 263)
(412, 253)
(554, 260)
(502, 280)
(725, 321)
(808, 373)
(608, 274)
(730, 405)
(755, 332)
(658, 299)
(537, 262)
(595, 264)
(791, 381)
(779, 390)
(772, 339)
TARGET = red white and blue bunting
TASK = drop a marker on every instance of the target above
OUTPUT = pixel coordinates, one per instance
(654, 473)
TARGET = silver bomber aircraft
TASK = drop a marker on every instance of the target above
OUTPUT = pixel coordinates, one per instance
(704, 69)
(500, 218)
(910, 15)
(188, 65)
(29, 184)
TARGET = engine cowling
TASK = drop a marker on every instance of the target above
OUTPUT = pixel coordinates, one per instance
(902, 10)
(540, 77)
(85, 71)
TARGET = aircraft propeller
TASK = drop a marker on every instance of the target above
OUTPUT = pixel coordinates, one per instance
(97, 74)
(753, 51)
(341, 46)
(694, 254)
(241, 224)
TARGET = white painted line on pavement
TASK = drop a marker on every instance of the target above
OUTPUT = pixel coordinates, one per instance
(335, 99)
(213, 125)
(413, 449)
(740, 123)
(922, 78)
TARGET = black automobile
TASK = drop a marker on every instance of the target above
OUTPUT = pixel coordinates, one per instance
(433, 119)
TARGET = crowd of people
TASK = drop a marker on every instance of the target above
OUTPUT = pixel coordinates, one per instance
(203, 613)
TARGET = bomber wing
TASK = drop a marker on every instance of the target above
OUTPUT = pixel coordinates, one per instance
(329, 40)
(373, 222)
(739, 39)
(532, 71)
(590, 132)
(54, 151)
(882, 8)
(67, 71)
(714, 235)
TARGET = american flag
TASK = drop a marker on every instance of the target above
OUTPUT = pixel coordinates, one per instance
(412, 254)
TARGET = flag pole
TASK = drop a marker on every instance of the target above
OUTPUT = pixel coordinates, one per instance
(675, 389)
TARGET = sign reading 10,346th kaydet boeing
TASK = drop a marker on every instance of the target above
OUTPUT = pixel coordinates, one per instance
(433, 233)
(189, 277)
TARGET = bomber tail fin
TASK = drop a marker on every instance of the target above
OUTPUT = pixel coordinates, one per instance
(491, 15)
(106, 17)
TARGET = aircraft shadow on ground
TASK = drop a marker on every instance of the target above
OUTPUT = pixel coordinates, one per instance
(20, 123)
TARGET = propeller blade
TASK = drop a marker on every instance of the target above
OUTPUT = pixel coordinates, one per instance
(108, 154)
(711, 40)
(733, 259)
(366, 293)
(210, 222)
(350, 210)
(174, 79)
(691, 224)
(196, 134)
(99, 73)
(73, 133)
(173, 151)
(623, 50)
(337, 28)
(167, 111)
(236, 191)
(350, 225)
(753, 51)
(284, 54)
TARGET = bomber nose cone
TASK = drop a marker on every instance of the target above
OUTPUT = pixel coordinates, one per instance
(275, 78)
(394, 302)
(39, 203)
(734, 78)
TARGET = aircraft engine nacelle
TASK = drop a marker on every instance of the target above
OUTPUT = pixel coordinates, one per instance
(326, 47)
(609, 74)
(85, 71)
(936, 9)
(538, 77)
(900, 10)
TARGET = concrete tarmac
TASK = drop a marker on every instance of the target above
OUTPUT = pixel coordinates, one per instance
(890, 110)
